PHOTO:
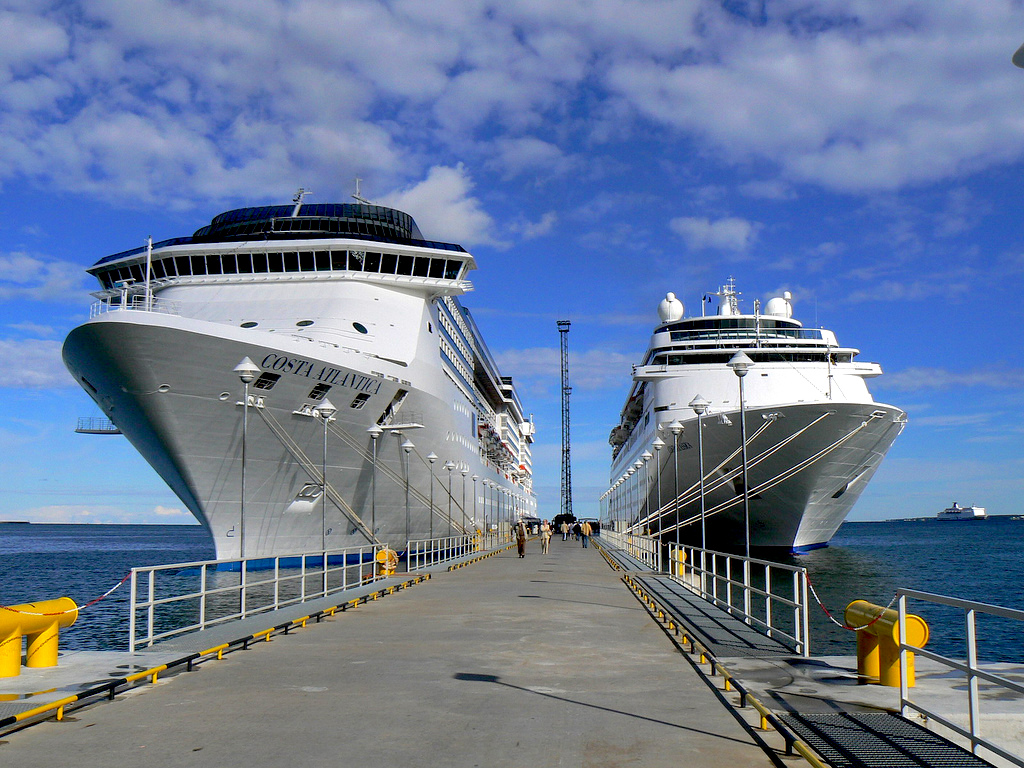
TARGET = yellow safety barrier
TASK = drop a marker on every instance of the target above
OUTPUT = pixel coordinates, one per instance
(878, 643)
(40, 623)
(387, 562)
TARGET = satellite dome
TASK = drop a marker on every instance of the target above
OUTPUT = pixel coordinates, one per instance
(670, 309)
(780, 306)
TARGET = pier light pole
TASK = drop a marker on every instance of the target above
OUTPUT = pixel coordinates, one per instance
(375, 432)
(700, 407)
(247, 370)
(676, 429)
(741, 365)
(407, 447)
(325, 410)
(629, 496)
(657, 445)
(432, 457)
(464, 471)
(475, 478)
(647, 456)
(637, 465)
(449, 465)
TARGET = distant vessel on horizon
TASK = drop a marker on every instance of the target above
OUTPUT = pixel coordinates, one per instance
(956, 512)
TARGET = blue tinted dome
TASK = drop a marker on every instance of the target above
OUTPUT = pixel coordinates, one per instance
(314, 220)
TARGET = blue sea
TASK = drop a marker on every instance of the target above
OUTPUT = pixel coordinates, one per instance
(980, 561)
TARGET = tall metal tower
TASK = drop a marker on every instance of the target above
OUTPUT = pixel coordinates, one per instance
(566, 506)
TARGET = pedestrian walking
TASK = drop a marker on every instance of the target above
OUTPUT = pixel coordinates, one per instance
(565, 530)
(545, 537)
(521, 534)
(585, 531)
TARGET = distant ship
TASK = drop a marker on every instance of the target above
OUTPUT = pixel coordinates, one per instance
(815, 436)
(956, 512)
(336, 310)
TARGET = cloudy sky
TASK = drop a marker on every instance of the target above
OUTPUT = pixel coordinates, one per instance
(592, 154)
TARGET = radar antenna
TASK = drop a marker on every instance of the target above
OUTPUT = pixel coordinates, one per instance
(358, 197)
(298, 200)
(566, 506)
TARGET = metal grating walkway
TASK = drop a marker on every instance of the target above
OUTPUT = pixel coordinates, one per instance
(878, 740)
(721, 633)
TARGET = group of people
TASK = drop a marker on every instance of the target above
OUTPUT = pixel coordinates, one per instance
(581, 531)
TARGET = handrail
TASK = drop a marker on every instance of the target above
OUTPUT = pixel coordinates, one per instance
(971, 669)
(423, 553)
(646, 549)
(170, 609)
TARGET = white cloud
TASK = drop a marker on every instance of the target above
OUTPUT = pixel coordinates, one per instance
(916, 379)
(533, 229)
(727, 234)
(24, 275)
(444, 209)
(39, 364)
(100, 513)
(592, 370)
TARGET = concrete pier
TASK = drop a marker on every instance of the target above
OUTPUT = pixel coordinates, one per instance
(543, 661)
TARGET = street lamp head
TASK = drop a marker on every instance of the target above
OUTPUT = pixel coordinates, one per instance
(740, 364)
(637, 464)
(699, 405)
(464, 471)
(326, 409)
(675, 427)
(375, 431)
(247, 370)
(449, 465)
(475, 478)
(658, 444)
(431, 457)
(646, 456)
(407, 445)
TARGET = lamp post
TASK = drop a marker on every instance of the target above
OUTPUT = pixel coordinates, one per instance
(431, 457)
(326, 410)
(475, 478)
(740, 365)
(647, 456)
(375, 432)
(407, 446)
(657, 445)
(449, 465)
(676, 429)
(464, 471)
(247, 371)
(636, 470)
(700, 407)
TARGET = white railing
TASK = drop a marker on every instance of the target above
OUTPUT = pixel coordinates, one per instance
(423, 553)
(997, 685)
(174, 599)
(135, 303)
(646, 549)
(769, 596)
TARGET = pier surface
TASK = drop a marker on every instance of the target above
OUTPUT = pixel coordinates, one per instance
(547, 660)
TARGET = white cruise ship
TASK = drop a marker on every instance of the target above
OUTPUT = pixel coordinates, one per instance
(956, 512)
(814, 434)
(340, 307)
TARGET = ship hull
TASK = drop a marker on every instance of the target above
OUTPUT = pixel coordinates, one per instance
(168, 384)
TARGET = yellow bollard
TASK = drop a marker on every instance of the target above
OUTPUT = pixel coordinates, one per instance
(40, 623)
(878, 644)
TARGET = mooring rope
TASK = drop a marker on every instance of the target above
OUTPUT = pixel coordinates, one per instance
(843, 624)
(80, 608)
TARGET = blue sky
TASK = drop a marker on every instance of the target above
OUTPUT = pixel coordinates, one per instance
(592, 154)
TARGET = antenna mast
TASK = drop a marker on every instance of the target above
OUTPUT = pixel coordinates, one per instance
(566, 506)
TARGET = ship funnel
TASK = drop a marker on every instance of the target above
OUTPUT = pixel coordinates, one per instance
(670, 309)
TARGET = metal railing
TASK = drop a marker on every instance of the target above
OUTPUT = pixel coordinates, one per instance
(972, 669)
(769, 596)
(423, 553)
(171, 600)
(646, 549)
(136, 303)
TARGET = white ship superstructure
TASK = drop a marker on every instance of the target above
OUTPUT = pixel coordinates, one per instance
(339, 304)
(956, 512)
(815, 435)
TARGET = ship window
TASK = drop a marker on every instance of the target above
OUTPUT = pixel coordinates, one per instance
(452, 268)
(158, 269)
(259, 263)
(306, 263)
(183, 264)
(213, 265)
(421, 266)
(230, 263)
(388, 262)
(323, 261)
(360, 401)
(244, 263)
(372, 262)
(360, 327)
(405, 265)
(275, 262)
(318, 392)
(266, 381)
(249, 324)
(198, 265)
(355, 260)
(437, 267)
(339, 260)
(291, 262)
(168, 267)
(304, 323)
(136, 272)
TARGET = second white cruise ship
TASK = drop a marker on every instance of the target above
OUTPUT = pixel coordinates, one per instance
(814, 435)
(219, 356)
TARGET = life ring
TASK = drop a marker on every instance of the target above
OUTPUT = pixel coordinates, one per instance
(387, 561)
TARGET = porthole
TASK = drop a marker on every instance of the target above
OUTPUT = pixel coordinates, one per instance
(304, 323)
(163, 388)
(360, 327)
(224, 396)
(249, 324)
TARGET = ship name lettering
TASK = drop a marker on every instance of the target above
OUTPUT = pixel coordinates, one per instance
(327, 374)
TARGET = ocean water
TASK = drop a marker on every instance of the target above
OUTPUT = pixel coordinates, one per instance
(981, 561)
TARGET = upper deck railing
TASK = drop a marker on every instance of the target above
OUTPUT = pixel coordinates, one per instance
(135, 303)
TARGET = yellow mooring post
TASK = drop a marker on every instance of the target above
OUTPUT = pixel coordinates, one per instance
(41, 623)
(878, 643)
